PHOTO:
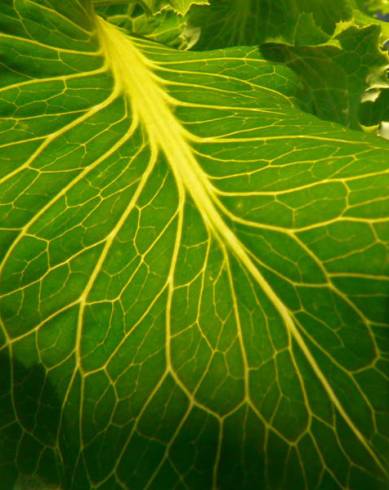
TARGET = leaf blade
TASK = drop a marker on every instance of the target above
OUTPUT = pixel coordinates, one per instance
(161, 248)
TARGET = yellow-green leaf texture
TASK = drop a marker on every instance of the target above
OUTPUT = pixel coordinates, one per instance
(194, 272)
(180, 6)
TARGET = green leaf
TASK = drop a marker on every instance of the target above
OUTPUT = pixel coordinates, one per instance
(376, 110)
(335, 49)
(180, 6)
(301, 22)
(166, 27)
(362, 19)
(194, 275)
(374, 6)
(292, 22)
(334, 78)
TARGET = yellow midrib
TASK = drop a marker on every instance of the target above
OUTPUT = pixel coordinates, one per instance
(152, 106)
(134, 75)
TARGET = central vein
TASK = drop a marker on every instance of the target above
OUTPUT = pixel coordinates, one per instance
(152, 106)
(135, 77)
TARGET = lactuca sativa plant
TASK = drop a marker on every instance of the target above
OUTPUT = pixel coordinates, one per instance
(194, 245)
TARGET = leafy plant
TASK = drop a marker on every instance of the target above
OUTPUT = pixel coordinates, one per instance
(195, 245)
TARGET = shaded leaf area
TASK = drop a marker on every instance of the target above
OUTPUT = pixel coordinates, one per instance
(194, 272)
(247, 22)
(334, 78)
(30, 412)
(334, 75)
(180, 7)
(373, 6)
(373, 112)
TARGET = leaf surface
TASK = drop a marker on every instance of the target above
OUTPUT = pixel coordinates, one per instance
(180, 6)
(335, 78)
(167, 27)
(296, 22)
(374, 6)
(335, 48)
(194, 276)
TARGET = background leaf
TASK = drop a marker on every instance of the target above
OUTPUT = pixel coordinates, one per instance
(335, 49)
(166, 27)
(303, 22)
(180, 6)
(374, 6)
(335, 78)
